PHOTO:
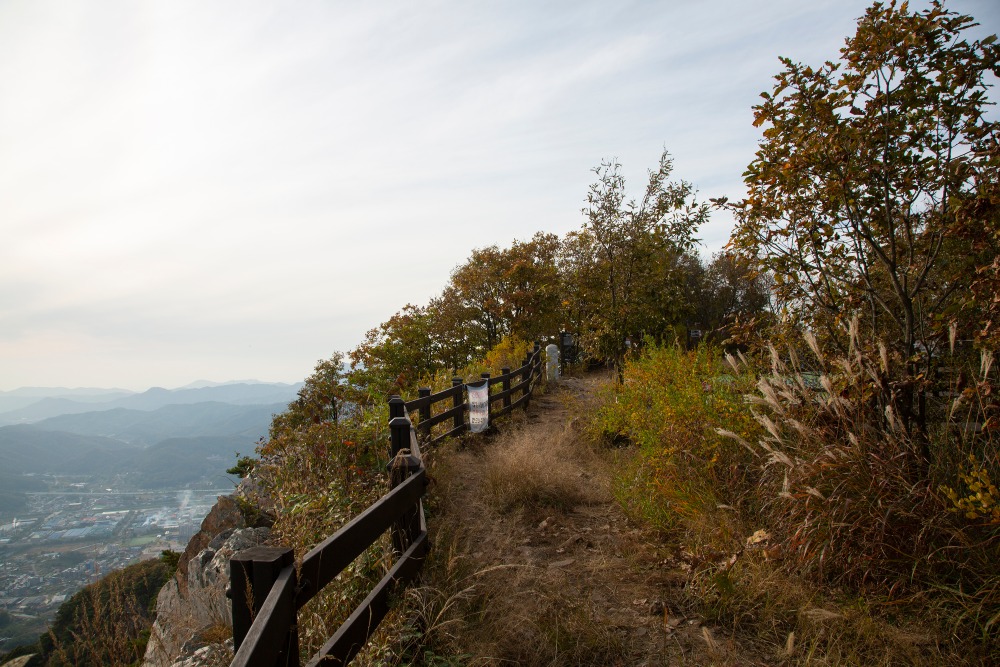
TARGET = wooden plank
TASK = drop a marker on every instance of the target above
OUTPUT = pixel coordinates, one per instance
(521, 401)
(332, 555)
(522, 386)
(458, 430)
(427, 401)
(500, 395)
(252, 574)
(442, 417)
(352, 636)
(270, 630)
(417, 403)
(448, 393)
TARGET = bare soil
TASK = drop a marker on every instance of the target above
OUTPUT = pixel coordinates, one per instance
(564, 580)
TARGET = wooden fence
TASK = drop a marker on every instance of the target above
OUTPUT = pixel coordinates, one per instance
(267, 589)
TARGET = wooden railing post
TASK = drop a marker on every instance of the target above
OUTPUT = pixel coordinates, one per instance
(505, 371)
(489, 402)
(537, 360)
(397, 407)
(456, 401)
(425, 412)
(252, 573)
(407, 528)
(401, 466)
(525, 376)
(399, 435)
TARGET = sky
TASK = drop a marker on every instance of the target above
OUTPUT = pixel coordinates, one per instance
(237, 189)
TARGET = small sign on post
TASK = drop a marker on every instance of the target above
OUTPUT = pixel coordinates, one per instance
(479, 407)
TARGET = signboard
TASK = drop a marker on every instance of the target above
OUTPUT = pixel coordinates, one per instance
(479, 407)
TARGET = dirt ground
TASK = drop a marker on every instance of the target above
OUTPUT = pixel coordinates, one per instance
(564, 579)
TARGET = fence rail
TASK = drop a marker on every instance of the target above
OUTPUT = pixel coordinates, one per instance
(422, 407)
(267, 589)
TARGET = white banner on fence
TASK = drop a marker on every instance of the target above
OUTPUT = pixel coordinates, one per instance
(479, 407)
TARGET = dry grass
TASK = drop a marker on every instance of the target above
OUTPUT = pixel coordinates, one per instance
(873, 555)
(476, 613)
(482, 601)
(541, 467)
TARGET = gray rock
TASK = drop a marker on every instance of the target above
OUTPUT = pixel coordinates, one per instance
(186, 609)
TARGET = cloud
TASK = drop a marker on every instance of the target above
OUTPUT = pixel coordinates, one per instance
(237, 189)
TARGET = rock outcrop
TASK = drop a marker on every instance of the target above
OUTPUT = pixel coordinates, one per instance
(193, 617)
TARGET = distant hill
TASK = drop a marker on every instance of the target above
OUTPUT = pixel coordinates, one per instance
(25, 396)
(12, 490)
(29, 449)
(185, 462)
(237, 394)
(244, 393)
(83, 392)
(198, 462)
(43, 408)
(140, 427)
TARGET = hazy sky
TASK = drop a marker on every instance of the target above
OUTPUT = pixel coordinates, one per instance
(230, 190)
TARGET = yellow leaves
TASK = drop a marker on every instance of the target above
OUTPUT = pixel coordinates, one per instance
(981, 498)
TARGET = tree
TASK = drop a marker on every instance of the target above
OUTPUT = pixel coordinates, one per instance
(728, 290)
(509, 291)
(397, 353)
(855, 188)
(637, 256)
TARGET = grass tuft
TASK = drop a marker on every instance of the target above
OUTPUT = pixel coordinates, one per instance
(536, 469)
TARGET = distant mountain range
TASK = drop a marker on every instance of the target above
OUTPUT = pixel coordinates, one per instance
(175, 463)
(29, 449)
(25, 396)
(160, 438)
(34, 404)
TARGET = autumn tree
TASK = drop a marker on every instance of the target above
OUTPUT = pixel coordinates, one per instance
(855, 188)
(636, 251)
(979, 227)
(729, 290)
(509, 291)
(395, 354)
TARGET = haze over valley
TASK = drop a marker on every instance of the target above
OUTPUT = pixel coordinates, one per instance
(94, 479)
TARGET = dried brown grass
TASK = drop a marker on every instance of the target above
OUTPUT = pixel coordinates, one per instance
(481, 603)
(476, 610)
(540, 467)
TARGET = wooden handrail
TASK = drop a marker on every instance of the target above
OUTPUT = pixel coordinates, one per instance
(267, 589)
(266, 643)
(329, 558)
(423, 405)
(352, 636)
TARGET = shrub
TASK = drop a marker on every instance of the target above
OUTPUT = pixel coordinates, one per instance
(521, 473)
(852, 497)
(107, 623)
(671, 404)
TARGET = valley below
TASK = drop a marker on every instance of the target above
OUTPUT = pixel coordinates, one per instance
(66, 539)
(85, 493)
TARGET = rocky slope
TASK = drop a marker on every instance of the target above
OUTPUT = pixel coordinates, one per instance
(193, 616)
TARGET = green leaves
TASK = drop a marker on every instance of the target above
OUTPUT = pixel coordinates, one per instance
(636, 256)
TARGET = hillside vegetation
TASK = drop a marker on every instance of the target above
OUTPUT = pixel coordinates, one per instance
(106, 623)
(826, 457)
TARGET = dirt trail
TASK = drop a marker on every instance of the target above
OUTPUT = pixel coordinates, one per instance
(566, 579)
